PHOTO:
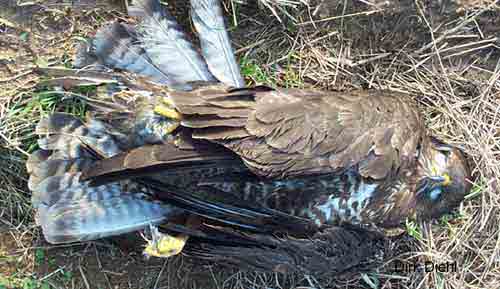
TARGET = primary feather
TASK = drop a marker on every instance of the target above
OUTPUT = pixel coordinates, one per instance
(168, 47)
(215, 44)
(116, 46)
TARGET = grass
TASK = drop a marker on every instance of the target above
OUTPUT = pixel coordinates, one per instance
(254, 74)
(275, 76)
(446, 58)
(23, 283)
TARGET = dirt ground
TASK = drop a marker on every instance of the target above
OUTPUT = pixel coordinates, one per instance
(445, 54)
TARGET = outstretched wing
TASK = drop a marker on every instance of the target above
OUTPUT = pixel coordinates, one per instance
(165, 168)
(117, 46)
(157, 48)
(281, 133)
(168, 47)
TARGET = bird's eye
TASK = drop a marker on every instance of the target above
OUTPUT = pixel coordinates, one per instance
(435, 193)
(446, 154)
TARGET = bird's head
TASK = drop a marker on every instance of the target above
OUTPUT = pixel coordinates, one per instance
(444, 179)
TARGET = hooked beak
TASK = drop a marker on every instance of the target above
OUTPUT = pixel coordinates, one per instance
(443, 180)
(430, 182)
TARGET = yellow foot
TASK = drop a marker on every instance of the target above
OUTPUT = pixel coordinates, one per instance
(164, 245)
(166, 109)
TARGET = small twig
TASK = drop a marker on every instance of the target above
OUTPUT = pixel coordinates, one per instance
(323, 37)
(52, 273)
(100, 266)
(12, 78)
(435, 41)
(442, 50)
(364, 61)
(248, 47)
(469, 50)
(84, 277)
(159, 274)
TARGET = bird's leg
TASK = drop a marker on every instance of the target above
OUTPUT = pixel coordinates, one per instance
(166, 108)
(164, 245)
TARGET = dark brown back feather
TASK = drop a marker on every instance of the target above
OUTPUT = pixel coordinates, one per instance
(289, 132)
(147, 160)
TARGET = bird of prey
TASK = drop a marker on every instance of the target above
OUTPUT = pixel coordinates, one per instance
(176, 140)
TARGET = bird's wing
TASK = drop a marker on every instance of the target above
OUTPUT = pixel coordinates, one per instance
(214, 40)
(71, 210)
(116, 46)
(159, 168)
(281, 133)
(157, 48)
(150, 159)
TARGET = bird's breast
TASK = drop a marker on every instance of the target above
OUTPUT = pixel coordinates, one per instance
(349, 205)
(326, 199)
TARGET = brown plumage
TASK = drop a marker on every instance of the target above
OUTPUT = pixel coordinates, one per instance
(257, 177)
(302, 132)
(371, 144)
(155, 189)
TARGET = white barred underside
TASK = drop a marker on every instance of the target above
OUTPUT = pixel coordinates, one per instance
(340, 209)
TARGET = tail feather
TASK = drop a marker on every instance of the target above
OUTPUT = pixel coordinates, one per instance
(58, 123)
(56, 167)
(69, 187)
(159, 49)
(37, 157)
(69, 209)
(215, 44)
(69, 135)
(85, 219)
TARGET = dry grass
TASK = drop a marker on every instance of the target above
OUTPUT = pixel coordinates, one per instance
(445, 57)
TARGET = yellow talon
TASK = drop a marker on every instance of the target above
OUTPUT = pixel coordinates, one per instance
(165, 246)
(167, 112)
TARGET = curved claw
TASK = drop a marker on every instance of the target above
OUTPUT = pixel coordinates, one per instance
(164, 245)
